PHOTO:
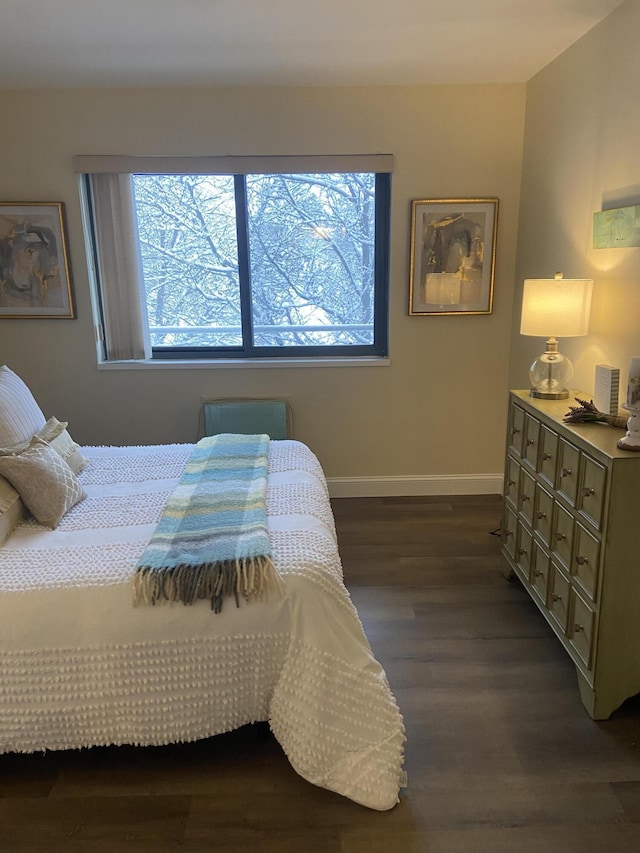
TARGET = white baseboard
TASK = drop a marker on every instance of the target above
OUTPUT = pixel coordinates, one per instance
(454, 484)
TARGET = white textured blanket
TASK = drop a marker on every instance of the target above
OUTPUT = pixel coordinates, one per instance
(80, 666)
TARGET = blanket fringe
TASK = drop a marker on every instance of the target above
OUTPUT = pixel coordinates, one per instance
(249, 578)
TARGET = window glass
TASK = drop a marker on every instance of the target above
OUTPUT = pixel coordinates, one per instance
(189, 255)
(311, 250)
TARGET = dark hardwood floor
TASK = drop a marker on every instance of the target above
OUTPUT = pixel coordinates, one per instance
(501, 755)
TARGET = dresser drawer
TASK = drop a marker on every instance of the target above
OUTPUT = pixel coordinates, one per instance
(543, 514)
(523, 550)
(511, 482)
(516, 429)
(559, 598)
(531, 441)
(592, 489)
(548, 458)
(581, 628)
(526, 496)
(562, 536)
(568, 465)
(586, 560)
(509, 528)
(539, 576)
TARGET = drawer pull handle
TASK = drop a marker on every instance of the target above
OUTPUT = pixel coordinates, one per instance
(581, 561)
(588, 492)
(508, 533)
(561, 536)
(546, 456)
(515, 430)
(530, 442)
(566, 472)
(524, 498)
(522, 552)
(556, 597)
(538, 573)
(577, 628)
(542, 515)
(512, 483)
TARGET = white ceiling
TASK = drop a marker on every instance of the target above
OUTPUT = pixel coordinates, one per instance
(285, 42)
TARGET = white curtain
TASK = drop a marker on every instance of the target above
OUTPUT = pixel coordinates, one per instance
(119, 270)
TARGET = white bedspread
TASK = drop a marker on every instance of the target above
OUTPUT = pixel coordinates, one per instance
(80, 666)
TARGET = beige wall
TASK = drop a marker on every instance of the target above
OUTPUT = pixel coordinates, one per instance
(581, 156)
(437, 410)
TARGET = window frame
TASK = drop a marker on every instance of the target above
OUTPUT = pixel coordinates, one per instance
(86, 166)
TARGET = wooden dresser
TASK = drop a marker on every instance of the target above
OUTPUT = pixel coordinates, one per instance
(571, 534)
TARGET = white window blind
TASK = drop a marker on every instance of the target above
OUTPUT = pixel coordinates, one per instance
(124, 313)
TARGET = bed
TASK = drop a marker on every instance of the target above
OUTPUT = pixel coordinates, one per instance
(81, 666)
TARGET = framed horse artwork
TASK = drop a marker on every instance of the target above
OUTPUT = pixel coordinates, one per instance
(453, 254)
(35, 279)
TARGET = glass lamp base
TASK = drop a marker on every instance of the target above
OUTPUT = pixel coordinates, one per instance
(550, 374)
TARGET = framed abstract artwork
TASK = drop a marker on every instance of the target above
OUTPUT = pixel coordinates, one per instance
(35, 280)
(453, 255)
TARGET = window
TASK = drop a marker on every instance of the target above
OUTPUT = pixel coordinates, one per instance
(243, 262)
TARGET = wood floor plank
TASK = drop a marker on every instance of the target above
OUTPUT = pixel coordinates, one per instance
(45, 820)
(572, 838)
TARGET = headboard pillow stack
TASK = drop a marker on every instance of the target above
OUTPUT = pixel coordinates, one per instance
(38, 459)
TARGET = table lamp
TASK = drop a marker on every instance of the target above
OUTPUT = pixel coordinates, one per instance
(552, 308)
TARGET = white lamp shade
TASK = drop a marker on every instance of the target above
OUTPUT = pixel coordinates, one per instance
(556, 307)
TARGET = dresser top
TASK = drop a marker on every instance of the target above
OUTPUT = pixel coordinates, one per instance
(601, 438)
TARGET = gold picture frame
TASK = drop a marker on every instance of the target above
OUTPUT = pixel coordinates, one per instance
(35, 278)
(453, 256)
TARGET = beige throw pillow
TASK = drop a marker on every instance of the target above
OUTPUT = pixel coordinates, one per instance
(47, 485)
(54, 432)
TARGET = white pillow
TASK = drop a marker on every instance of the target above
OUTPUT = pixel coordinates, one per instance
(20, 415)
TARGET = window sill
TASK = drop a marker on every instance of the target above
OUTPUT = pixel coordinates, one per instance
(243, 363)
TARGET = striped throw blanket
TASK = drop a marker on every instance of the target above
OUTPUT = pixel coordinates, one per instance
(212, 541)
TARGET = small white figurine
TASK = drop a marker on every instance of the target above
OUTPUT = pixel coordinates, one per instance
(631, 441)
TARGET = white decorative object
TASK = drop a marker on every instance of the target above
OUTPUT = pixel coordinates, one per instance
(607, 389)
(631, 441)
